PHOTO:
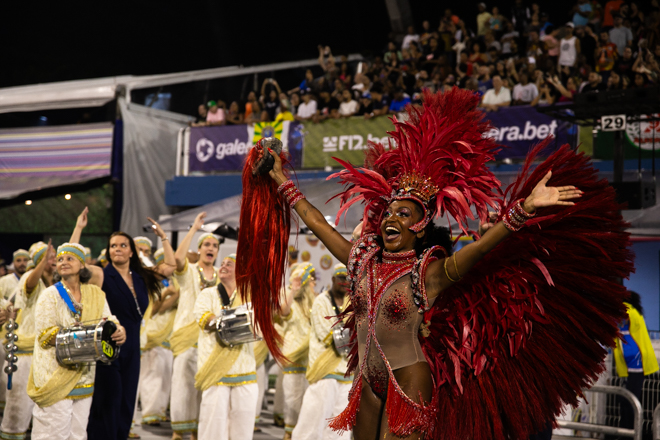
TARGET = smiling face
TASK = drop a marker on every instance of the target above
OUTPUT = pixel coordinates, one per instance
(68, 265)
(227, 272)
(396, 223)
(120, 250)
(208, 251)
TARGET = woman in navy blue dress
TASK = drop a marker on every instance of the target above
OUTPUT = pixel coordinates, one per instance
(127, 286)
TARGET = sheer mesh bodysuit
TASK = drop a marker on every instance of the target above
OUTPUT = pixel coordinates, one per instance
(396, 324)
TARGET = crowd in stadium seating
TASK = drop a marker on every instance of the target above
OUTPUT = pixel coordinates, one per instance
(514, 58)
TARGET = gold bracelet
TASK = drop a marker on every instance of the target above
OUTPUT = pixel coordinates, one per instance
(456, 267)
(447, 272)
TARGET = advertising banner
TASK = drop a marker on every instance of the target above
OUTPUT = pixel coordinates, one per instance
(520, 128)
(225, 148)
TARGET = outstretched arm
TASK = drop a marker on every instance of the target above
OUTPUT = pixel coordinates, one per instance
(169, 262)
(443, 273)
(315, 221)
(81, 223)
(182, 250)
(35, 275)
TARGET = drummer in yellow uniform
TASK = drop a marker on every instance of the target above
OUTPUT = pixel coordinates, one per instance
(226, 374)
(63, 395)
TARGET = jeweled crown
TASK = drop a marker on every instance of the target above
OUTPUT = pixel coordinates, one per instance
(420, 186)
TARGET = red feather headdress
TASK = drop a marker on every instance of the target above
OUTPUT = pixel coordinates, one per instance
(437, 158)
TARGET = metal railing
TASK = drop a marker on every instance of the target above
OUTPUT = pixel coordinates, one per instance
(635, 433)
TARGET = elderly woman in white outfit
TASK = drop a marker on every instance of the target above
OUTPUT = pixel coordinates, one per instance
(63, 396)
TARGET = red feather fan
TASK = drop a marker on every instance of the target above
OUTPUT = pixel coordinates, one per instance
(262, 253)
(528, 327)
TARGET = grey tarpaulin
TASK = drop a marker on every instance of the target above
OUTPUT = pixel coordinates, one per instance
(150, 137)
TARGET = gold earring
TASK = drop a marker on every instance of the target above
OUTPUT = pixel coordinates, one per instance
(421, 234)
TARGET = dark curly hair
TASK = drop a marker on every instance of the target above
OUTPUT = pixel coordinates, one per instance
(85, 275)
(434, 236)
(636, 301)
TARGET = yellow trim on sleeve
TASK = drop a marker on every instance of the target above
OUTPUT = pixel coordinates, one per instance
(184, 270)
(204, 320)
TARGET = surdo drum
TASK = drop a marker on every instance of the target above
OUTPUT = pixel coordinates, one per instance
(86, 342)
(236, 326)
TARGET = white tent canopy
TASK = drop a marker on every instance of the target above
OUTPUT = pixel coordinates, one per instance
(99, 91)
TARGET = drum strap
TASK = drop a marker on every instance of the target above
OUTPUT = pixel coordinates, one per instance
(67, 299)
(334, 304)
(224, 296)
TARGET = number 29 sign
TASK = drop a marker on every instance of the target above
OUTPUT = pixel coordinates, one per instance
(613, 123)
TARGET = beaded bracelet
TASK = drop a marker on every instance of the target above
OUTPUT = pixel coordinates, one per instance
(290, 193)
(516, 216)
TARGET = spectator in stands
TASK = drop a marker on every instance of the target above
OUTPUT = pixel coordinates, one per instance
(634, 355)
(270, 90)
(251, 100)
(477, 55)
(234, 115)
(635, 16)
(543, 28)
(410, 36)
(305, 84)
(620, 35)
(491, 42)
(551, 44)
(534, 46)
(391, 53)
(611, 7)
(434, 54)
(295, 102)
(496, 97)
(614, 81)
(525, 93)
(307, 108)
(326, 60)
(348, 106)
(483, 19)
(581, 13)
(485, 83)
(496, 22)
(255, 113)
(520, 16)
(426, 33)
(567, 92)
(283, 113)
(366, 105)
(624, 64)
(216, 113)
(588, 43)
(399, 102)
(200, 120)
(639, 81)
(569, 48)
(327, 107)
(509, 36)
(379, 101)
(594, 84)
(606, 55)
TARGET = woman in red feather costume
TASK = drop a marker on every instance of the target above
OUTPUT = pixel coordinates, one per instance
(487, 343)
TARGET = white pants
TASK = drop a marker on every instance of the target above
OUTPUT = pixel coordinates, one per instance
(262, 383)
(227, 413)
(18, 411)
(65, 420)
(278, 401)
(324, 399)
(155, 383)
(294, 386)
(185, 398)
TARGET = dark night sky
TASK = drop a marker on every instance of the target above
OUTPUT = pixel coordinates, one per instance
(56, 41)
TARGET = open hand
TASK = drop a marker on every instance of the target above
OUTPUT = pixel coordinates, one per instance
(82, 218)
(199, 221)
(157, 229)
(543, 196)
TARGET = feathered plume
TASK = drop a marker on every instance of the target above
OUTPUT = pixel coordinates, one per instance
(442, 145)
